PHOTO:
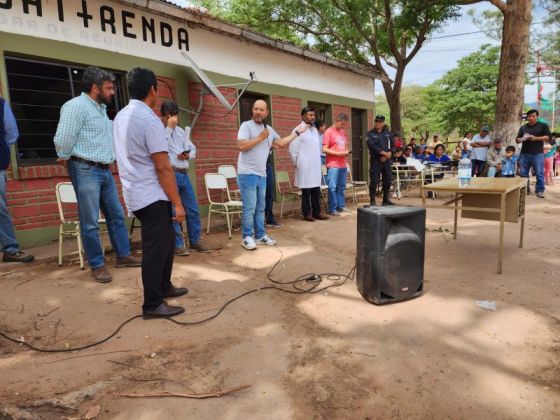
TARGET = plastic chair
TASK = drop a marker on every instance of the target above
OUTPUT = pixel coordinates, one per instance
(228, 207)
(65, 194)
(324, 186)
(358, 188)
(285, 189)
(230, 172)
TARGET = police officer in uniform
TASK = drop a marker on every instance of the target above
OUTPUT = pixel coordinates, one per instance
(380, 151)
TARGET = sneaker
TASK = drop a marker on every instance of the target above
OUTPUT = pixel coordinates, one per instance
(266, 240)
(181, 252)
(344, 210)
(540, 194)
(248, 243)
(334, 213)
(17, 256)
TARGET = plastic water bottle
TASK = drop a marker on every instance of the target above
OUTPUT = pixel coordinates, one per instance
(464, 172)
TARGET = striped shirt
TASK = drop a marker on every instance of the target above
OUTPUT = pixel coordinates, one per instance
(84, 131)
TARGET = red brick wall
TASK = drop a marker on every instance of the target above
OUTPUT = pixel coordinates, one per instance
(214, 135)
(286, 115)
(32, 198)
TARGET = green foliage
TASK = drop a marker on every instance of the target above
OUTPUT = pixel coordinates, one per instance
(465, 97)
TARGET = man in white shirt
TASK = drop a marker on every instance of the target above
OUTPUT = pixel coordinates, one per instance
(305, 152)
(255, 139)
(480, 144)
(149, 190)
(466, 146)
(181, 152)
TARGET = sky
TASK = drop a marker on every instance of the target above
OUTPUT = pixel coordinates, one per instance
(438, 56)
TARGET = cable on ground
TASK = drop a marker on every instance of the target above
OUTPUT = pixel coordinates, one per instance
(304, 284)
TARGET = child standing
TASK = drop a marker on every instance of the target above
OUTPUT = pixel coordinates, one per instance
(549, 152)
(509, 162)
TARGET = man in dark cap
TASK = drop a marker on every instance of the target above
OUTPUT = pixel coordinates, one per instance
(380, 151)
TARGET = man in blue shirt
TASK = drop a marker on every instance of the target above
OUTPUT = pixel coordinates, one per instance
(8, 136)
(84, 142)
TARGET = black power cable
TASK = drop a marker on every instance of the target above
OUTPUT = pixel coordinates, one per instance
(314, 280)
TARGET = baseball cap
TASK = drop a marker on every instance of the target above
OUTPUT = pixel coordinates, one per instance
(379, 118)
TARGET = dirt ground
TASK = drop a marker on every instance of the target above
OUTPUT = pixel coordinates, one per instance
(330, 355)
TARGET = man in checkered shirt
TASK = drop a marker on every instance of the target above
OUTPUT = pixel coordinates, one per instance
(84, 142)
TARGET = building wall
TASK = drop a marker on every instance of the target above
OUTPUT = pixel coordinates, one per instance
(31, 196)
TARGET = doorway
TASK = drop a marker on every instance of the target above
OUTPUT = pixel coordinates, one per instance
(357, 144)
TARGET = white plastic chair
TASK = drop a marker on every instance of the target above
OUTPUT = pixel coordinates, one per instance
(358, 188)
(227, 207)
(230, 172)
(65, 194)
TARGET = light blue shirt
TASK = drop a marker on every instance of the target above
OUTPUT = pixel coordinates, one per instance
(138, 134)
(11, 132)
(84, 131)
(179, 142)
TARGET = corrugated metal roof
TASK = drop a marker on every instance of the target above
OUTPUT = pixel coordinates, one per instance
(197, 17)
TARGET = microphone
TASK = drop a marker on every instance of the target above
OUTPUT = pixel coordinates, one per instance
(264, 124)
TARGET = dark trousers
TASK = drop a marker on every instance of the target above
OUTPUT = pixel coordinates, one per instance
(311, 201)
(158, 245)
(269, 198)
(478, 167)
(378, 169)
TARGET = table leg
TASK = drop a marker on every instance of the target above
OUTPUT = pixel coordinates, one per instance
(501, 241)
(521, 232)
(455, 219)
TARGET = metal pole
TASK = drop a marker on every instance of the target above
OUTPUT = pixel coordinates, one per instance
(539, 80)
(554, 100)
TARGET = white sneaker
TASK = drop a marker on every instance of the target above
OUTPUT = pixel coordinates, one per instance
(266, 240)
(248, 243)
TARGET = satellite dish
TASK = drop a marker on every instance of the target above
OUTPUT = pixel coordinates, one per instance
(208, 84)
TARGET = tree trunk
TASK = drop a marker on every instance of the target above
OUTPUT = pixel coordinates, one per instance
(393, 95)
(513, 61)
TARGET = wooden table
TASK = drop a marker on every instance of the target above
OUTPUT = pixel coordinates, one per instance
(499, 199)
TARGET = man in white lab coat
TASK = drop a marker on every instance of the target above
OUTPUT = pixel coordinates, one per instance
(305, 152)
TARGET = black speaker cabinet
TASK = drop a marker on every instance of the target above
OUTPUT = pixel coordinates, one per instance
(390, 255)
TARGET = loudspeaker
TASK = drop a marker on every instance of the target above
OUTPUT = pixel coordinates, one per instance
(390, 253)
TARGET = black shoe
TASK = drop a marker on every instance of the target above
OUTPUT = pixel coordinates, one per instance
(372, 203)
(175, 292)
(387, 202)
(163, 311)
(17, 256)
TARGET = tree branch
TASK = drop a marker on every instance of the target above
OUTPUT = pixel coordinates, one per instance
(391, 32)
(419, 40)
(500, 4)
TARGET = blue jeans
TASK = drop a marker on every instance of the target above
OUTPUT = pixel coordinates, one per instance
(253, 195)
(535, 161)
(95, 188)
(7, 235)
(188, 198)
(336, 179)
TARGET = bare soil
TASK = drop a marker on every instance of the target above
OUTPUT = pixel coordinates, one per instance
(330, 355)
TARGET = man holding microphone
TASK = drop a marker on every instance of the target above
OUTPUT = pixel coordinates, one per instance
(255, 139)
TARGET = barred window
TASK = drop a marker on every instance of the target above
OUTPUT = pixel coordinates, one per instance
(38, 89)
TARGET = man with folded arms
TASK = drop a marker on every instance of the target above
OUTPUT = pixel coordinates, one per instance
(84, 142)
(149, 190)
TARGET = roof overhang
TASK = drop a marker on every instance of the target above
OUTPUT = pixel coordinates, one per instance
(195, 19)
